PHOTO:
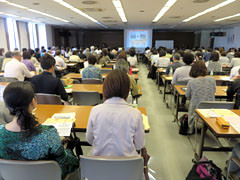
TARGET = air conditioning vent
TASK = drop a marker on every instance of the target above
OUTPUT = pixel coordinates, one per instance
(200, 1)
(92, 9)
(89, 2)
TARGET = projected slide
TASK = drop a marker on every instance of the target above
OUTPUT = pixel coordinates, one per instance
(138, 38)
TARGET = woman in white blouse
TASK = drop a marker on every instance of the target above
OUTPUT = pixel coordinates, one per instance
(114, 127)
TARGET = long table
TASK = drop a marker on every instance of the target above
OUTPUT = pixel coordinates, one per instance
(78, 76)
(181, 91)
(210, 123)
(43, 112)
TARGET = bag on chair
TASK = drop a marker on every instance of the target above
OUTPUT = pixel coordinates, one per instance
(205, 170)
(183, 130)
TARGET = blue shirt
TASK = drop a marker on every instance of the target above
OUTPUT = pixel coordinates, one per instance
(92, 72)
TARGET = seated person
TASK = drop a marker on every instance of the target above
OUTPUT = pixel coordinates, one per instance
(234, 72)
(74, 57)
(104, 58)
(182, 73)
(132, 59)
(122, 65)
(27, 61)
(8, 57)
(59, 59)
(176, 63)
(16, 69)
(236, 60)
(233, 87)
(214, 65)
(201, 88)
(92, 72)
(24, 138)
(233, 167)
(46, 82)
(115, 128)
(163, 61)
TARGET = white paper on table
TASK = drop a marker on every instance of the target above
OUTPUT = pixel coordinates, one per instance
(234, 121)
(145, 122)
(63, 129)
(64, 115)
(208, 113)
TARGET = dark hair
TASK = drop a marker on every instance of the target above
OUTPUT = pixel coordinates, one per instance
(116, 84)
(92, 59)
(223, 53)
(31, 52)
(58, 52)
(214, 56)
(237, 54)
(24, 50)
(199, 55)
(26, 55)
(122, 65)
(1, 51)
(198, 69)
(176, 56)
(37, 50)
(47, 61)
(188, 58)
(17, 97)
(8, 54)
(75, 52)
(132, 52)
(105, 52)
(122, 55)
(162, 53)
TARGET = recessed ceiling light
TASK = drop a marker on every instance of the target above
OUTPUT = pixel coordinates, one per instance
(89, 2)
(92, 9)
(36, 3)
(174, 17)
(141, 11)
(107, 17)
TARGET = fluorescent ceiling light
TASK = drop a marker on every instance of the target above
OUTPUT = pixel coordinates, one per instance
(119, 8)
(69, 6)
(228, 17)
(32, 10)
(165, 8)
(225, 3)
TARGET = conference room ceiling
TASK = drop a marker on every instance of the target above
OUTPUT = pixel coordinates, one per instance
(139, 13)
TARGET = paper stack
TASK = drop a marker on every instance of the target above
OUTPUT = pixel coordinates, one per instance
(63, 122)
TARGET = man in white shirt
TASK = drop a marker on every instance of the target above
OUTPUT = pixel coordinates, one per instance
(59, 60)
(16, 69)
(234, 72)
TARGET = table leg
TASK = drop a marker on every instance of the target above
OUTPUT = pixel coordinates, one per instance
(177, 108)
(202, 139)
(164, 91)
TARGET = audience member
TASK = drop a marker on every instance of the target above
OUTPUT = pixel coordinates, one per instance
(176, 63)
(236, 60)
(182, 73)
(92, 72)
(74, 57)
(214, 65)
(59, 59)
(46, 83)
(16, 69)
(24, 138)
(234, 86)
(234, 72)
(27, 61)
(104, 58)
(201, 88)
(8, 57)
(1, 57)
(224, 59)
(132, 59)
(114, 127)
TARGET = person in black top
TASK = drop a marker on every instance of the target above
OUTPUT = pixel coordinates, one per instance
(175, 65)
(233, 87)
(46, 82)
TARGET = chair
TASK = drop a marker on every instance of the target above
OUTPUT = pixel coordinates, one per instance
(182, 82)
(48, 99)
(91, 81)
(7, 79)
(86, 98)
(29, 170)
(105, 71)
(215, 105)
(106, 168)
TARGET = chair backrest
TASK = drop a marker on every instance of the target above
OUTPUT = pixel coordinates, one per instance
(215, 105)
(48, 99)
(105, 71)
(119, 168)
(182, 82)
(86, 98)
(29, 170)
(237, 100)
(7, 79)
(91, 81)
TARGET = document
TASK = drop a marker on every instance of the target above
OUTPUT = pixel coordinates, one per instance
(146, 122)
(63, 122)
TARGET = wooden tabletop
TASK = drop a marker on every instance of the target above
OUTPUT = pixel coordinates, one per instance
(220, 90)
(216, 77)
(4, 83)
(161, 70)
(167, 78)
(79, 76)
(219, 132)
(82, 113)
(94, 88)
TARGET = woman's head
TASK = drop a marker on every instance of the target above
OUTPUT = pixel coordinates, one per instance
(122, 65)
(116, 84)
(188, 58)
(26, 55)
(198, 69)
(132, 52)
(199, 56)
(214, 56)
(122, 55)
(19, 99)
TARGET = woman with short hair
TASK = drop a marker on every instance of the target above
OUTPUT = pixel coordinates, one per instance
(114, 127)
(201, 88)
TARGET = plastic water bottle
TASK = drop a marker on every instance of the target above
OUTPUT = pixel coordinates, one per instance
(211, 73)
(171, 71)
